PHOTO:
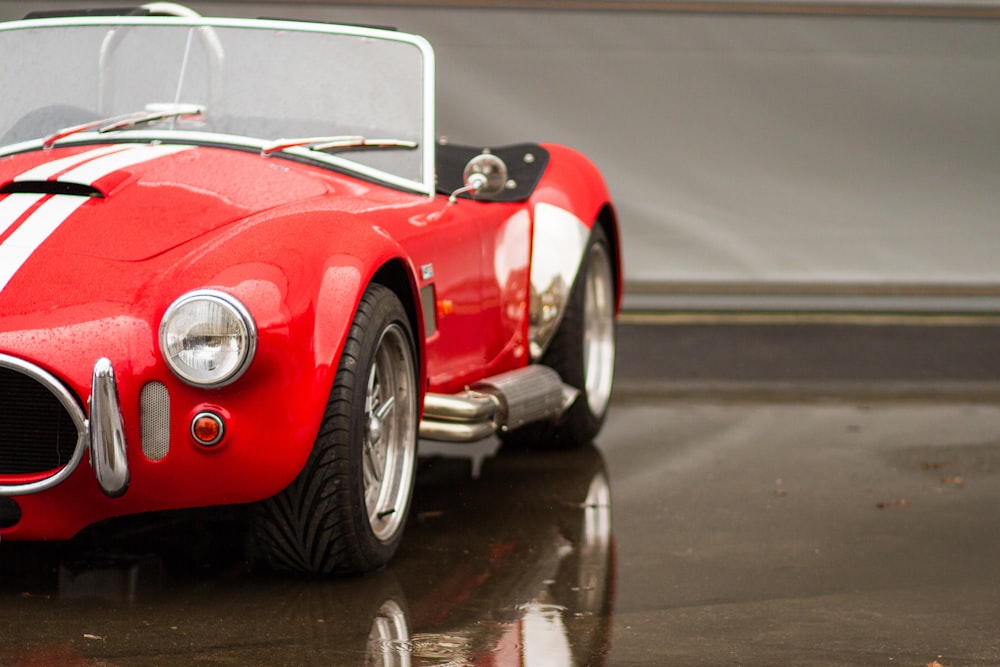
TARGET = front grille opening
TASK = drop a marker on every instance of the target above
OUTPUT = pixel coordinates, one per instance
(37, 434)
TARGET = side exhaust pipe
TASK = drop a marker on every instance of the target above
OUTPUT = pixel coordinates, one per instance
(501, 402)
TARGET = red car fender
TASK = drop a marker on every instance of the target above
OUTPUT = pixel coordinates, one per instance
(304, 317)
(344, 281)
(332, 272)
(303, 311)
(573, 183)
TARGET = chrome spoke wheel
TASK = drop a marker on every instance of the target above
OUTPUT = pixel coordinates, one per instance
(346, 510)
(390, 433)
(598, 329)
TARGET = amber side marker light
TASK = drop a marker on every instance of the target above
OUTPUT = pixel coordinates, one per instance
(207, 428)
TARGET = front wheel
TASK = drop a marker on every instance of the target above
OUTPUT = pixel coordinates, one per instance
(346, 510)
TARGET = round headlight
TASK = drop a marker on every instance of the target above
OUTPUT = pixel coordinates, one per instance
(207, 338)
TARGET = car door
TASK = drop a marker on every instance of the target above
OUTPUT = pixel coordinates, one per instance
(472, 259)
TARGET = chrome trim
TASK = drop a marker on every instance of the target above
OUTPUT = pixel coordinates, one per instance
(469, 416)
(466, 407)
(456, 432)
(69, 402)
(558, 242)
(108, 455)
(465, 417)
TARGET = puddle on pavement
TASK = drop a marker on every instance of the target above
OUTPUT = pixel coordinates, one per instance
(513, 565)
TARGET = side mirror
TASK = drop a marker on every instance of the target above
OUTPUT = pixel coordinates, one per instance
(485, 176)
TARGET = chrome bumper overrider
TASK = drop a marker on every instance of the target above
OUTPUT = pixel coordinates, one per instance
(108, 456)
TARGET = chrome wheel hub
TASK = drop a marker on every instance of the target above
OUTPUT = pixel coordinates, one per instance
(389, 451)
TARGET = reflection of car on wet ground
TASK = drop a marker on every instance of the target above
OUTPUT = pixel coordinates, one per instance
(515, 567)
(226, 278)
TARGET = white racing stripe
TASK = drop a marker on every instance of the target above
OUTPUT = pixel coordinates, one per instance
(82, 168)
(26, 238)
(12, 207)
(45, 171)
(91, 171)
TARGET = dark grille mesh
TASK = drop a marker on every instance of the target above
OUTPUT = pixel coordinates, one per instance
(36, 433)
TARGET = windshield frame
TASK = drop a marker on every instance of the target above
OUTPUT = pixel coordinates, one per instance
(426, 183)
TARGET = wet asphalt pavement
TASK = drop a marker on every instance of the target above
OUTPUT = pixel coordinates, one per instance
(762, 494)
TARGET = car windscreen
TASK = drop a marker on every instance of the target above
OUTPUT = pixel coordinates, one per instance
(260, 80)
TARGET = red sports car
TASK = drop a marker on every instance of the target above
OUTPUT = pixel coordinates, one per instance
(236, 267)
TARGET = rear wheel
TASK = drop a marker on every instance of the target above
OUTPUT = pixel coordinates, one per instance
(346, 510)
(582, 351)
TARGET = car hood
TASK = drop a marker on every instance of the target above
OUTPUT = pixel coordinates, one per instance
(130, 202)
(88, 232)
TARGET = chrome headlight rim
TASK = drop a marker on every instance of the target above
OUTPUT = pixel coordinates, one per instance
(237, 311)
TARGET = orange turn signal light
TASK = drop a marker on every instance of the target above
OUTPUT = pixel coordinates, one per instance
(207, 428)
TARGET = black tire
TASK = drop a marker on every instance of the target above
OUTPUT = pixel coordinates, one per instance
(346, 511)
(582, 351)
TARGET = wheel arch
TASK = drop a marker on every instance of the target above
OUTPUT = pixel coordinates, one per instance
(571, 200)
(573, 183)
(395, 275)
(335, 309)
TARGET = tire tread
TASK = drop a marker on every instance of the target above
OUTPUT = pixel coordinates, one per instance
(311, 526)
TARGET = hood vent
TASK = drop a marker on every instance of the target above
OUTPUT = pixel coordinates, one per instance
(51, 188)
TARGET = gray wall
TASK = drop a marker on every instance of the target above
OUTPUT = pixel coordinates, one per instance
(746, 152)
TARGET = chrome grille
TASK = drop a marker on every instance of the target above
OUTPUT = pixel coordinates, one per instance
(38, 431)
(155, 407)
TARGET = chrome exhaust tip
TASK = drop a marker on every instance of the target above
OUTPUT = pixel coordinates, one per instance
(500, 402)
